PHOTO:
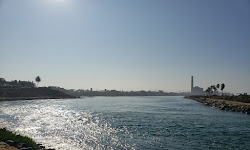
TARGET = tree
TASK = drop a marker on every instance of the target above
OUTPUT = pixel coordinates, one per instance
(214, 88)
(218, 86)
(38, 80)
(209, 90)
(222, 87)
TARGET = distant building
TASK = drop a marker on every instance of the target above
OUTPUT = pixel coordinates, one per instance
(196, 90)
(91, 89)
(240, 93)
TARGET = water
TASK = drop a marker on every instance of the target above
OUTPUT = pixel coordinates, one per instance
(126, 123)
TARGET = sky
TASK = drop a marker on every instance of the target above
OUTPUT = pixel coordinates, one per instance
(126, 45)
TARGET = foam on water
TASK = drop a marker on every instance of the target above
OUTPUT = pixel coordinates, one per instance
(55, 126)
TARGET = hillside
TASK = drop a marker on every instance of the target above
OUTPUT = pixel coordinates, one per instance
(31, 93)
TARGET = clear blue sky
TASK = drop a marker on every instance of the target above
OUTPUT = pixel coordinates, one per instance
(126, 45)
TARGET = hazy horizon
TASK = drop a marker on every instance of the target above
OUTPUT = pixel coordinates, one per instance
(126, 45)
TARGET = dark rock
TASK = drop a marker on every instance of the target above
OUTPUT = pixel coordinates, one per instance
(42, 146)
(12, 143)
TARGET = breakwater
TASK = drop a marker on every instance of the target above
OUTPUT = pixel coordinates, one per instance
(223, 104)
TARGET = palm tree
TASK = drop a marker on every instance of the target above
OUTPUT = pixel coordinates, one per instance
(218, 86)
(222, 87)
(38, 80)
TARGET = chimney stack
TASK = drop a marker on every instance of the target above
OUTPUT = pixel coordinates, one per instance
(192, 83)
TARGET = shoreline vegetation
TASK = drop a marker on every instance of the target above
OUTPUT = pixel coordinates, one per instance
(239, 103)
(12, 141)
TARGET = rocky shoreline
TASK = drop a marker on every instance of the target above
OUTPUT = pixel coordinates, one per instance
(12, 145)
(223, 104)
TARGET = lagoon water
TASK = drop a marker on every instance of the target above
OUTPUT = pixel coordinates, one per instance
(126, 123)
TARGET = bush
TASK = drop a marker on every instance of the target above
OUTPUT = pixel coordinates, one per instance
(7, 135)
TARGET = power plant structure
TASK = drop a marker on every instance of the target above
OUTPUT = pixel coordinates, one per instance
(196, 90)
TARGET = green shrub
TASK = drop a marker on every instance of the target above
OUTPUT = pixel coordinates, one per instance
(7, 135)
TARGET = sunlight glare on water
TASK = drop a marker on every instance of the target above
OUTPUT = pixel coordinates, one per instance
(55, 126)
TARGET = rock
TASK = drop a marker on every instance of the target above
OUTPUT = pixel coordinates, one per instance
(224, 104)
(22, 145)
(5, 146)
(11, 143)
(42, 147)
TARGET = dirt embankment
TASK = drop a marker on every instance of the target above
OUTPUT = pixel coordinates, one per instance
(235, 104)
(31, 93)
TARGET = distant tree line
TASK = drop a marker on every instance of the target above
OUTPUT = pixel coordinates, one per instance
(213, 89)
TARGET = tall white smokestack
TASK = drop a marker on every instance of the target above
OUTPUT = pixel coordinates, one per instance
(192, 83)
